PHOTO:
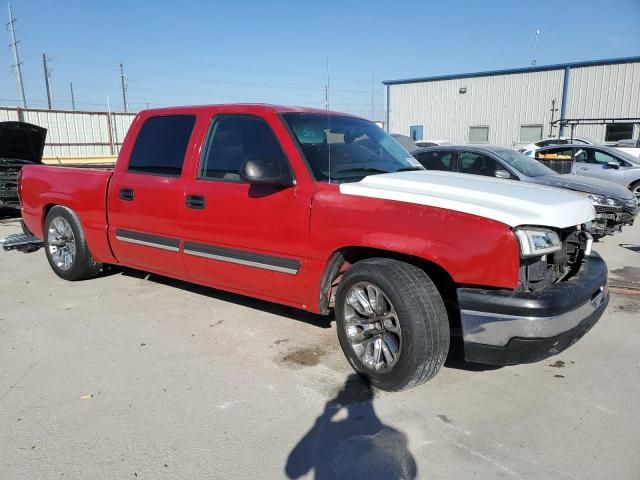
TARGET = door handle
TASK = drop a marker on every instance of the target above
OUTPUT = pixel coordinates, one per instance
(195, 201)
(126, 194)
(583, 168)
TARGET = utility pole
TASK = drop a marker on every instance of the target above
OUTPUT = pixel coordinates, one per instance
(73, 99)
(124, 87)
(16, 56)
(47, 80)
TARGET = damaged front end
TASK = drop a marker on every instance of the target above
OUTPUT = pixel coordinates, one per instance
(611, 218)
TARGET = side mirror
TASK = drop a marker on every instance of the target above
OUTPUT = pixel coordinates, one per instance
(615, 165)
(502, 174)
(266, 172)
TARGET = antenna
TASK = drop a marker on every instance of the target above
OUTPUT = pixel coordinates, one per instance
(328, 131)
(16, 56)
(535, 48)
(372, 95)
(326, 89)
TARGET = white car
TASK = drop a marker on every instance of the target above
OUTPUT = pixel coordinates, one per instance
(532, 147)
(432, 143)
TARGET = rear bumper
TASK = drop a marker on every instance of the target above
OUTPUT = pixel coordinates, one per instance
(501, 327)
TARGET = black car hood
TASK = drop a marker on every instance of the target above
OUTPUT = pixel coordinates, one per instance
(21, 141)
(584, 184)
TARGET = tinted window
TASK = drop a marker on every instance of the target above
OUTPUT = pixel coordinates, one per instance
(435, 160)
(478, 164)
(161, 145)
(234, 139)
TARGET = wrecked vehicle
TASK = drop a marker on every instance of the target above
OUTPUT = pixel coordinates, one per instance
(20, 144)
(324, 211)
(615, 205)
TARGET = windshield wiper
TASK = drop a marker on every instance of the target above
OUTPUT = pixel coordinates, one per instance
(410, 169)
(362, 169)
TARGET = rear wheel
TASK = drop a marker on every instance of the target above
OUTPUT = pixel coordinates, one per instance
(66, 246)
(392, 323)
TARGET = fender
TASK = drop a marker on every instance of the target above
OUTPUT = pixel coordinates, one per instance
(473, 250)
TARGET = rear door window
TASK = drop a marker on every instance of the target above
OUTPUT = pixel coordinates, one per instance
(436, 160)
(161, 145)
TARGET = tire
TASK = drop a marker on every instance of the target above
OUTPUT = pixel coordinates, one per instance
(635, 188)
(66, 246)
(409, 295)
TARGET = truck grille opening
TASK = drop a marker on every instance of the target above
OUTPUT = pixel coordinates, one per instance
(537, 273)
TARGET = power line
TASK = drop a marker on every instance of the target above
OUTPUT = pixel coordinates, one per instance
(16, 56)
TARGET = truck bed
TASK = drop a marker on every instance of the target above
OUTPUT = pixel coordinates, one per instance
(81, 188)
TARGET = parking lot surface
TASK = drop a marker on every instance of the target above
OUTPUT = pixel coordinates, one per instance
(131, 375)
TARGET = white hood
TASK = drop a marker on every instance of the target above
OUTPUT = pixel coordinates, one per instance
(508, 201)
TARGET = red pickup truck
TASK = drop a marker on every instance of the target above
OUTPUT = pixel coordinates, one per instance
(326, 212)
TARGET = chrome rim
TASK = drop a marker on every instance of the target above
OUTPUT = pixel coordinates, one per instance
(61, 243)
(636, 191)
(372, 327)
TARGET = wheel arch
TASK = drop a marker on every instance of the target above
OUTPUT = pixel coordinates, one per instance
(343, 258)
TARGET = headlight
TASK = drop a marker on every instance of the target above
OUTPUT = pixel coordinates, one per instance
(537, 241)
(600, 200)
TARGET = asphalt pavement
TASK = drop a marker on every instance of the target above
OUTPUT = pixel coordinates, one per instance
(136, 376)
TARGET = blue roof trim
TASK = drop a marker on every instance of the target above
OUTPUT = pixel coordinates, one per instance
(542, 68)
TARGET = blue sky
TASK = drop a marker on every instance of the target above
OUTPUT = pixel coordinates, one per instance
(275, 51)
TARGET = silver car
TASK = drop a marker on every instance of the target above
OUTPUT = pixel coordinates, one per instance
(598, 161)
(615, 205)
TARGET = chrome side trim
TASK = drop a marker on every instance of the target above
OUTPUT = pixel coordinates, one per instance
(148, 240)
(240, 261)
(147, 244)
(495, 329)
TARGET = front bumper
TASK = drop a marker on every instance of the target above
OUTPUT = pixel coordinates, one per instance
(503, 327)
(611, 219)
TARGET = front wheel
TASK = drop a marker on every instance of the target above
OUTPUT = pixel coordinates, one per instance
(635, 188)
(392, 323)
(66, 246)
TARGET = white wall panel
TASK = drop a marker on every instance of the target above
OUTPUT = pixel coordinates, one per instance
(75, 133)
(504, 102)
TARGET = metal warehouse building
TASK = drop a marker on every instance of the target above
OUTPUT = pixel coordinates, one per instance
(515, 107)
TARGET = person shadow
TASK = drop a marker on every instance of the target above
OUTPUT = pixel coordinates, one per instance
(349, 441)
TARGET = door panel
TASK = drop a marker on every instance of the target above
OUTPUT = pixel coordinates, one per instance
(595, 163)
(251, 238)
(146, 196)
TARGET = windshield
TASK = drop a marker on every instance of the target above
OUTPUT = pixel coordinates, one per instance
(524, 164)
(346, 149)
